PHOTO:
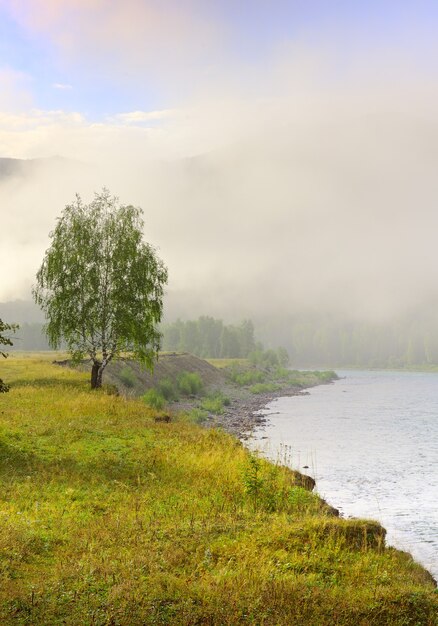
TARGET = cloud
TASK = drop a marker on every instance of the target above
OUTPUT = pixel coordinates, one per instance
(304, 184)
(138, 117)
(121, 39)
(62, 86)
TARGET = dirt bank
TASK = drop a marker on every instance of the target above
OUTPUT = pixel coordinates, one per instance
(238, 418)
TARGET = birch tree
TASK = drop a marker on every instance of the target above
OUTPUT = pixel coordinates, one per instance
(101, 286)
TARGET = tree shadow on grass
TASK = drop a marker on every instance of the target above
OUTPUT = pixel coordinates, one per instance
(14, 461)
(79, 385)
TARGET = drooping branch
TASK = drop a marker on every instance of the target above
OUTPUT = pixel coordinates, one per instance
(100, 285)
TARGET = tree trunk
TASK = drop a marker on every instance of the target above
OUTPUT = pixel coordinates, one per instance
(96, 380)
(100, 376)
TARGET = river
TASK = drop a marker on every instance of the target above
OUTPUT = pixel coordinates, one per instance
(370, 440)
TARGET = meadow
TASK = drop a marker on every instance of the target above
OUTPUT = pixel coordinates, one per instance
(109, 517)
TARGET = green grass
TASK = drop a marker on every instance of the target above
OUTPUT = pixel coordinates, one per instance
(110, 518)
(264, 387)
(215, 403)
(154, 399)
(221, 363)
(268, 379)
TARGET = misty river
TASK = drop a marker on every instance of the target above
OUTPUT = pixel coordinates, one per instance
(371, 442)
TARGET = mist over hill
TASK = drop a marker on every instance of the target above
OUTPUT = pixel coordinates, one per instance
(26, 168)
(322, 233)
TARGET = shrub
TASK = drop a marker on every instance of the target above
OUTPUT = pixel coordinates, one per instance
(282, 373)
(326, 375)
(243, 377)
(215, 403)
(270, 358)
(196, 416)
(303, 500)
(252, 479)
(154, 399)
(168, 390)
(190, 383)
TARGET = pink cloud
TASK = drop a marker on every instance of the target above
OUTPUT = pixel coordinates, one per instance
(122, 37)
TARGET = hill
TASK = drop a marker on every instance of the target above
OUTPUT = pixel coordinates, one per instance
(110, 517)
(168, 365)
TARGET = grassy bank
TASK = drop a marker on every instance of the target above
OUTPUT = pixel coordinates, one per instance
(109, 517)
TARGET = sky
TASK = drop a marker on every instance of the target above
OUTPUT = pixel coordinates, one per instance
(284, 153)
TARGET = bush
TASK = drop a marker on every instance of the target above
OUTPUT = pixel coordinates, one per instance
(303, 499)
(190, 383)
(215, 403)
(282, 373)
(270, 358)
(244, 376)
(196, 416)
(154, 399)
(326, 375)
(168, 390)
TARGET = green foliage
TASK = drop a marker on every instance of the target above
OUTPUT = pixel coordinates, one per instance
(269, 359)
(5, 340)
(127, 377)
(168, 389)
(209, 337)
(264, 388)
(282, 373)
(273, 378)
(324, 376)
(190, 383)
(100, 286)
(196, 415)
(154, 399)
(215, 403)
(301, 499)
(272, 488)
(252, 479)
(243, 376)
(5, 337)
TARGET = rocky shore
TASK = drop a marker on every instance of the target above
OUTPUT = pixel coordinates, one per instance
(244, 413)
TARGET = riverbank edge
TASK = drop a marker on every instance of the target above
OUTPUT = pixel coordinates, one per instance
(244, 416)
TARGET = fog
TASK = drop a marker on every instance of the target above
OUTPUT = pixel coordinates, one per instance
(302, 187)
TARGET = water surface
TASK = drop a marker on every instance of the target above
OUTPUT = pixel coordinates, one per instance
(371, 442)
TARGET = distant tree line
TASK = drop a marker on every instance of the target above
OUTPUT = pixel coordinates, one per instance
(311, 340)
(210, 337)
(323, 340)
